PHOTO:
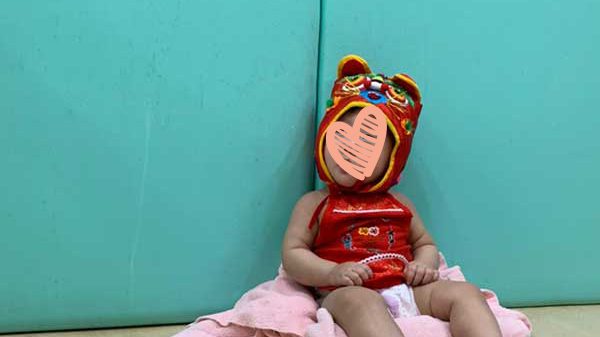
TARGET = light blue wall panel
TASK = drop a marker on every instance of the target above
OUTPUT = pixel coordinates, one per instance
(505, 162)
(151, 153)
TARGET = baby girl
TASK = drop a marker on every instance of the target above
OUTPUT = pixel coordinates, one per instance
(364, 251)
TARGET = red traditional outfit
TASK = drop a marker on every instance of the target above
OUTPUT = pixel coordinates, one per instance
(364, 223)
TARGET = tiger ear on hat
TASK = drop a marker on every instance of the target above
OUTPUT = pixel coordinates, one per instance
(405, 82)
(352, 65)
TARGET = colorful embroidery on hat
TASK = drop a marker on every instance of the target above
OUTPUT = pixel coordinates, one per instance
(408, 126)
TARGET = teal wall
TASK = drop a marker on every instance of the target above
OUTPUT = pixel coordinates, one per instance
(504, 167)
(148, 162)
(146, 155)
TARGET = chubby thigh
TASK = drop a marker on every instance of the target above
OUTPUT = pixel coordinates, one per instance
(434, 299)
(348, 297)
(361, 311)
(437, 298)
(399, 298)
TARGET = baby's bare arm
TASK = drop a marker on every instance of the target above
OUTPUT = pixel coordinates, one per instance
(298, 260)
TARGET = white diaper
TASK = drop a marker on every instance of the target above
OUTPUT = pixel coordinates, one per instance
(400, 300)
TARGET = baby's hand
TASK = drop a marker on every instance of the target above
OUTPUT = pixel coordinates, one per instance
(417, 273)
(349, 274)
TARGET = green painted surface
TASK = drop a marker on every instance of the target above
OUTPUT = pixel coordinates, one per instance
(151, 155)
(504, 168)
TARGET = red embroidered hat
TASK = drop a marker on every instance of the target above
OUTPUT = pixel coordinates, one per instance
(399, 99)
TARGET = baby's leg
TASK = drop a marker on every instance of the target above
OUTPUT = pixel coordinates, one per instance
(361, 312)
(459, 303)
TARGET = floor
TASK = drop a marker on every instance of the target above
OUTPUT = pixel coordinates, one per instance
(562, 321)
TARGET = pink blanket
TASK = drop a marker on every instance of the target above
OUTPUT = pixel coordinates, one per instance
(284, 308)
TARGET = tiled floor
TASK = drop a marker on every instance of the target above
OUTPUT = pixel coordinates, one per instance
(565, 321)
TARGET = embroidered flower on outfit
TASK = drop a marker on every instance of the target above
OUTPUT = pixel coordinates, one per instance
(363, 231)
(374, 231)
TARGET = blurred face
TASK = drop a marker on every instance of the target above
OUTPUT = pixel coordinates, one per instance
(340, 176)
